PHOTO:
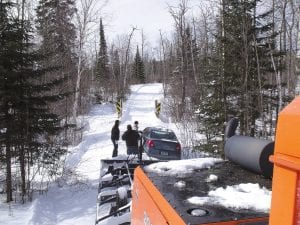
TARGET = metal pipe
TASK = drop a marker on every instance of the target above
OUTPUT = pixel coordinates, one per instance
(250, 153)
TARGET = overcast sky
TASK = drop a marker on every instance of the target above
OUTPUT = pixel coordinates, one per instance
(149, 15)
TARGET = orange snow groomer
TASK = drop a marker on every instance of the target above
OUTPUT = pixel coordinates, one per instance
(285, 208)
(156, 202)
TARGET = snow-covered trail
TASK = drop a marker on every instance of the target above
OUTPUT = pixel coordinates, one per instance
(73, 201)
(76, 204)
(96, 143)
(141, 106)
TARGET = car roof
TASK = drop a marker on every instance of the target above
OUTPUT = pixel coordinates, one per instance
(159, 129)
(160, 133)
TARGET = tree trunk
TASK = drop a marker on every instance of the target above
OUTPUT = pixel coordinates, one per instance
(127, 61)
(192, 54)
(77, 87)
(278, 82)
(8, 172)
(82, 21)
(260, 90)
(84, 18)
(164, 62)
(22, 169)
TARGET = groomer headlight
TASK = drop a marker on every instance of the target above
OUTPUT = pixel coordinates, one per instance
(197, 212)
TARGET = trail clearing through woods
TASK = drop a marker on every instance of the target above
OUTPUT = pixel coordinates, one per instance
(72, 200)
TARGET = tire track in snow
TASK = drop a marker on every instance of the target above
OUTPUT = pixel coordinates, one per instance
(141, 106)
(95, 137)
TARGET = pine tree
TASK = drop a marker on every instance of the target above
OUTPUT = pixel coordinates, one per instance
(236, 71)
(6, 39)
(102, 67)
(104, 82)
(57, 30)
(210, 102)
(246, 45)
(55, 26)
(138, 68)
(116, 71)
(27, 125)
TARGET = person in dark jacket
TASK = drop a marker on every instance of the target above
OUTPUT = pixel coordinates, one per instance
(136, 126)
(131, 137)
(115, 136)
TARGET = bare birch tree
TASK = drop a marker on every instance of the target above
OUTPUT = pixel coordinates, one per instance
(163, 53)
(87, 16)
(127, 59)
(179, 16)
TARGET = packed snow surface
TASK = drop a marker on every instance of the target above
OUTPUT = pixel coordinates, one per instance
(72, 200)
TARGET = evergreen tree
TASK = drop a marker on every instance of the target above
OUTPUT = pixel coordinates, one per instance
(210, 101)
(6, 39)
(57, 30)
(27, 126)
(236, 71)
(55, 26)
(104, 82)
(116, 71)
(236, 47)
(102, 67)
(246, 60)
(138, 67)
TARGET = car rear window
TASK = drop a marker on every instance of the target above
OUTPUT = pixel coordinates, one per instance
(160, 134)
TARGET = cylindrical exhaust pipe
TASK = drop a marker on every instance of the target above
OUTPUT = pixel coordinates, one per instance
(250, 153)
(230, 128)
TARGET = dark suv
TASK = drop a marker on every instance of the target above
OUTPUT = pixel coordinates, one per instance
(161, 143)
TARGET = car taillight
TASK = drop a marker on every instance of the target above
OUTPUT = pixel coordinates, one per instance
(150, 143)
(178, 147)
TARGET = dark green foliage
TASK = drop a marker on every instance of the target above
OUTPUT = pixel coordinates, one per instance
(138, 68)
(237, 77)
(246, 41)
(6, 40)
(211, 105)
(102, 66)
(239, 57)
(55, 27)
(28, 129)
(116, 72)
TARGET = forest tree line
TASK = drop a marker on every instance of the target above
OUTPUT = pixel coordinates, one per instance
(233, 58)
